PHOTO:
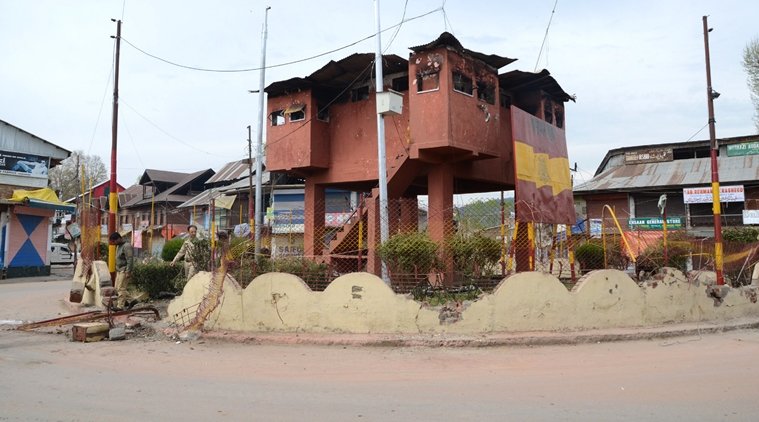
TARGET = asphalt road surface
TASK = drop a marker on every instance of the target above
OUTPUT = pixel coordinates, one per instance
(46, 377)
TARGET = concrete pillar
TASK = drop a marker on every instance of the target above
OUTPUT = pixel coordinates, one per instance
(440, 217)
(409, 220)
(313, 233)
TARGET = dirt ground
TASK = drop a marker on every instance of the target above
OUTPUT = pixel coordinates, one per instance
(46, 377)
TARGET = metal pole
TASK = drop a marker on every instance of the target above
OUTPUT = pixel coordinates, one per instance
(260, 138)
(113, 199)
(710, 95)
(381, 163)
(250, 186)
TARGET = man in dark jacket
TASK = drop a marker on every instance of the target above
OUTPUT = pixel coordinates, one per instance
(124, 265)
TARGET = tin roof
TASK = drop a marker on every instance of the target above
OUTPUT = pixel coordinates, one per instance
(517, 80)
(677, 173)
(446, 39)
(230, 172)
(338, 75)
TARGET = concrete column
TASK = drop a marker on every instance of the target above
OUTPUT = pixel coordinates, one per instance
(313, 233)
(409, 220)
(440, 217)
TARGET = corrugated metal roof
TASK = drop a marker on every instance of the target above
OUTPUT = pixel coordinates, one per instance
(446, 39)
(337, 75)
(677, 173)
(517, 80)
(231, 172)
(204, 198)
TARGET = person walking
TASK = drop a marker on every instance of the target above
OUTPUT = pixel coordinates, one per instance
(186, 252)
(124, 265)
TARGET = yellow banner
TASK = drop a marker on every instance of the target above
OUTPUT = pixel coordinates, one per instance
(541, 169)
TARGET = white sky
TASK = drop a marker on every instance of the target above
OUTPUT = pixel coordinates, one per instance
(637, 67)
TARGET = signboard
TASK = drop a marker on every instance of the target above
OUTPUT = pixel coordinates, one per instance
(750, 216)
(543, 188)
(651, 155)
(704, 195)
(655, 223)
(21, 164)
(747, 148)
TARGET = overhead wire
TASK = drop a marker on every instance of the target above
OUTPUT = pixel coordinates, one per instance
(121, 100)
(252, 69)
(546, 35)
(102, 101)
(397, 29)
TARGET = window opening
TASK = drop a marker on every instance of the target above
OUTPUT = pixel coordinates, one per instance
(462, 83)
(486, 92)
(322, 113)
(277, 118)
(360, 94)
(400, 84)
(296, 112)
(427, 82)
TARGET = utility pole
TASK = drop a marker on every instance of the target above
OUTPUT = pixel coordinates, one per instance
(260, 137)
(381, 153)
(250, 184)
(113, 199)
(710, 96)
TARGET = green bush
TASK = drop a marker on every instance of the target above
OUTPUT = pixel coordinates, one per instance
(154, 277)
(201, 254)
(590, 254)
(171, 248)
(410, 253)
(741, 234)
(475, 254)
(652, 258)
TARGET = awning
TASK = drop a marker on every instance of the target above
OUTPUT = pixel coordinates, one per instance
(294, 108)
(40, 198)
(225, 201)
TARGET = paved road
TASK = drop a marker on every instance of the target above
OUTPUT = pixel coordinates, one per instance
(45, 377)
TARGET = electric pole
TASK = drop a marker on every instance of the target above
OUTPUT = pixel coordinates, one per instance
(381, 152)
(113, 200)
(250, 185)
(710, 96)
(260, 138)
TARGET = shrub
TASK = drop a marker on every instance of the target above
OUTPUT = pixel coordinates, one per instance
(652, 258)
(171, 248)
(201, 254)
(475, 254)
(410, 253)
(154, 277)
(590, 254)
(741, 234)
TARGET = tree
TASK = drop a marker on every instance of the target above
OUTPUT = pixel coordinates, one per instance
(66, 178)
(751, 65)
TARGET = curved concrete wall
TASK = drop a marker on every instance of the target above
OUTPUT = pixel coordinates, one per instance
(362, 303)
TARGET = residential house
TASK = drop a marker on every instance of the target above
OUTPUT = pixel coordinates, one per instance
(150, 210)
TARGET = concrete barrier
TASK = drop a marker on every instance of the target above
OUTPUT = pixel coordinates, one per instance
(530, 301)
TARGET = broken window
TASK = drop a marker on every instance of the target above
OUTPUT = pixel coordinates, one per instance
(277, 118)
(296, 112)
(400, 84)
(322, 113)
(360, 94)
(547, 110)
(427, 82)
(504, 98)
(486, 92)
(462, 83)
(559, 115)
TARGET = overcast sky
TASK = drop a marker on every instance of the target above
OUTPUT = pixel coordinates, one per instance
(636, 67)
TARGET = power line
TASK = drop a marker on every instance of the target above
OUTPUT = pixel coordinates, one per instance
(545, 36)
(697, 132)
(252, 69)
(102, 102)
(397, 29)
(121, 100)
